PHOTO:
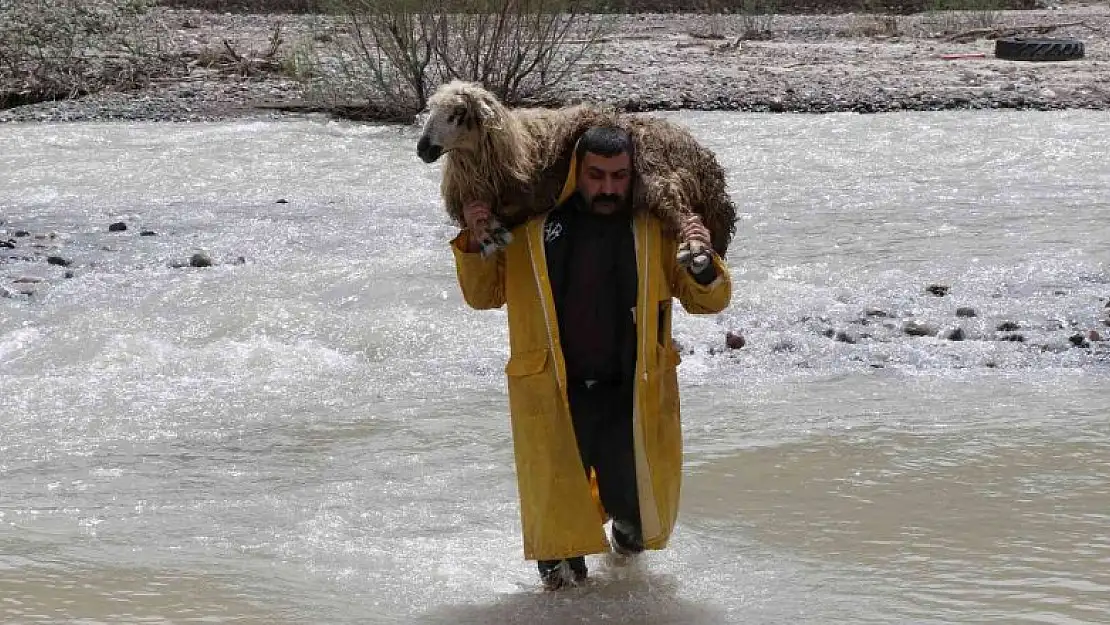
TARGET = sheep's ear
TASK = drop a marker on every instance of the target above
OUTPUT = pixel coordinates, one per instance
(488, 116)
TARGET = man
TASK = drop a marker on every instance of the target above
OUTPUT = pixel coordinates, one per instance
(592, 371)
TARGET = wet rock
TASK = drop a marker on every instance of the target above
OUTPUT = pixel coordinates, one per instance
(200, 259)
(919, 328)
(22, 233)
(937, 289)
(28, 280)
(148, 233)
(1014, 338)
(69, 274)
(966, 312)
(783, 346)
(955, 334)
(9, 244)
(1079, 341)
(845, 337)
(242, 260)
(828, 332)
(877, 312)
(58, 260)
(282, 201)
(735, 340)
(119, 226)
(1054, 348)
(1008, 326)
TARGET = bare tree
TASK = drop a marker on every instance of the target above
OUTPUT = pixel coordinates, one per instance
(398, 51)
(518, 49)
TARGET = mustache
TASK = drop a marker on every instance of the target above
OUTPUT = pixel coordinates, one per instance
(608, 197)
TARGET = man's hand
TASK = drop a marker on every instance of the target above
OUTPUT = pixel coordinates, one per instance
(694, 230)
(476, 214)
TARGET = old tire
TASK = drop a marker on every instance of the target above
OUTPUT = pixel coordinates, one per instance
(1019, 49)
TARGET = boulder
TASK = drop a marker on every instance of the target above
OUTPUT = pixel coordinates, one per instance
(200, 259)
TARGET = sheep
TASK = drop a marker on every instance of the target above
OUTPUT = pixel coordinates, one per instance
(517, 160)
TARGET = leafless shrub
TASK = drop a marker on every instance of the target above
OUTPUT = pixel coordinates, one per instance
(395, 52)
(252, 6)
(57, 49)
(954, 16)
(245, 63)
(757, 18)
(867, 26)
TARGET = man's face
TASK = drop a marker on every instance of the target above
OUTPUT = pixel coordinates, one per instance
(605, 181)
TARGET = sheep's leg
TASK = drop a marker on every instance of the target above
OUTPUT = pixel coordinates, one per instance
(690, 253)
(700, 255)
(499, 233)
(693, 254)
(497, 237)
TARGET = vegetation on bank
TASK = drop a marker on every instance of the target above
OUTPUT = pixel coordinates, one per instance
(383, 55)
(57, 49)
(653, 6)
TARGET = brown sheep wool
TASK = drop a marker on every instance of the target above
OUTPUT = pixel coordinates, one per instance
(517, 160)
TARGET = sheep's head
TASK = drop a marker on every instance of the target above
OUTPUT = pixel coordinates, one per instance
(458, 114)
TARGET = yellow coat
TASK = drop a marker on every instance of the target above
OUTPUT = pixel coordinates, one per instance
(560, 512)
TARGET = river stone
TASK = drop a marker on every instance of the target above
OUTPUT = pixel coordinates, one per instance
(919, 328)
(735, 340)
(939, 290)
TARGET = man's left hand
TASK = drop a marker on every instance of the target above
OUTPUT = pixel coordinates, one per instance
(694, 230)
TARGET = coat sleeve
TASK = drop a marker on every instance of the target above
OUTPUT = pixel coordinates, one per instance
(695, 297)
(482, 280)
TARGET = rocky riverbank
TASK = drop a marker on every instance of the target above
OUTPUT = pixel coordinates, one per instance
(781, 63)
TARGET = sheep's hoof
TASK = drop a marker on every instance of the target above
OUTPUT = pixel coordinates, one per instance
(701, 261)
(501, 236)
(489, 248)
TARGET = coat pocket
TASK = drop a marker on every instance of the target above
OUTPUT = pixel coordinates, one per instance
(526, 363)
(668, 405)
(532, 388)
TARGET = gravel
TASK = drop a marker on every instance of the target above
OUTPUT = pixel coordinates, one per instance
(803, 64)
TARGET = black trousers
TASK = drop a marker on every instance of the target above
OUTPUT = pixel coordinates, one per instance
(602, 415)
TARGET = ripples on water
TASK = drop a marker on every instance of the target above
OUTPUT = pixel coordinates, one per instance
(317, 434)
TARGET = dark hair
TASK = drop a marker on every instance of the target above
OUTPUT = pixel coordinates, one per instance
(603, 140)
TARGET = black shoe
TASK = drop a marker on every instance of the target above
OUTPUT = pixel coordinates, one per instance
(626, 539)
(557, 574)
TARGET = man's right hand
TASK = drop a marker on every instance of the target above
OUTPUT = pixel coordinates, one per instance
(476, 214)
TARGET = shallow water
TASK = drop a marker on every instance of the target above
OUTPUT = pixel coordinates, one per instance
(317, 433)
